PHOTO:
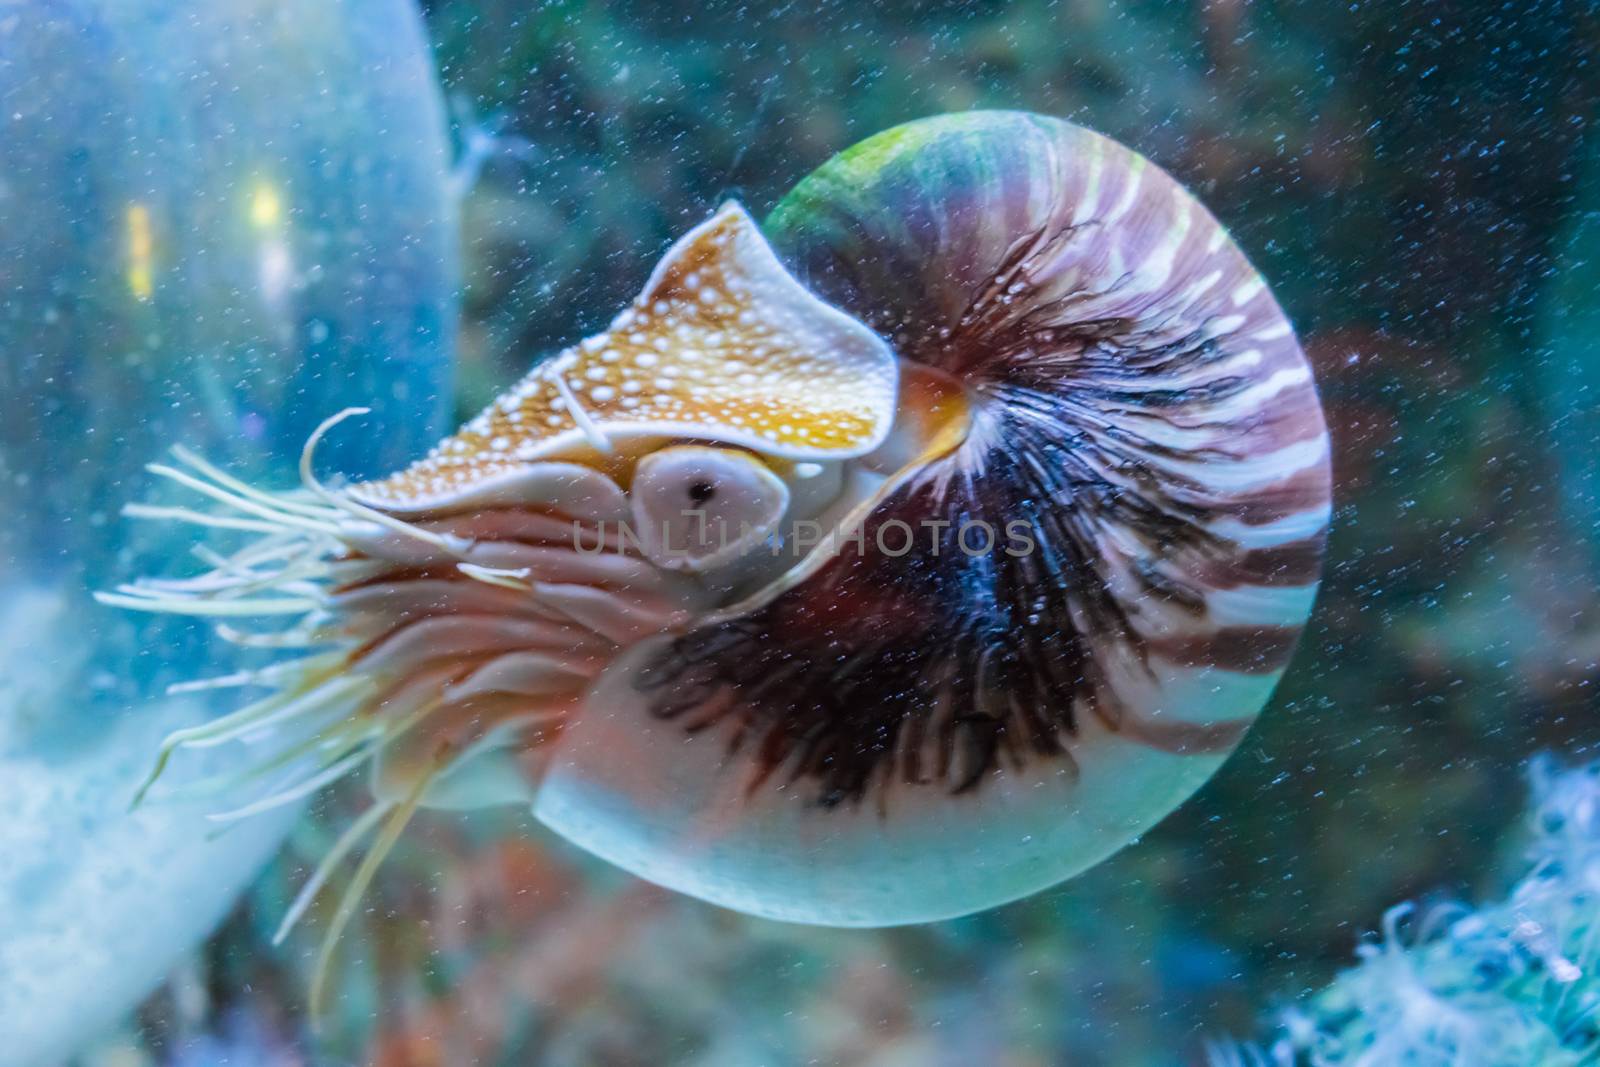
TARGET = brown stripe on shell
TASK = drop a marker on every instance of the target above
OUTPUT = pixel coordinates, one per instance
(1304, 491)
(1244, 649)
(1279, 422)
(1293, 563)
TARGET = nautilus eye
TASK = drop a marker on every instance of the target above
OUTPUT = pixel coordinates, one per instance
(1044, 480)
(697, 508)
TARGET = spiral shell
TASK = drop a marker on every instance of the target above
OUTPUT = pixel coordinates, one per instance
(902, 737)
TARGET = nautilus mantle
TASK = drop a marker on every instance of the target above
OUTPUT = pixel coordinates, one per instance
(895, 559)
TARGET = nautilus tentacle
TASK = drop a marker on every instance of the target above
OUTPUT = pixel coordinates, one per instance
(893, 562)
(907, 736)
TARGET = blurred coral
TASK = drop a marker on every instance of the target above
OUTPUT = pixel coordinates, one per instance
(1516, 981)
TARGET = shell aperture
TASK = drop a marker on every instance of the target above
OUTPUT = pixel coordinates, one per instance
(1026, 481)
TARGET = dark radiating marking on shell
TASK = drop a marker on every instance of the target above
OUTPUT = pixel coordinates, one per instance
(862, 676)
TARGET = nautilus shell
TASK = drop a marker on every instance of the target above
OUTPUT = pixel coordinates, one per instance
(891, 560)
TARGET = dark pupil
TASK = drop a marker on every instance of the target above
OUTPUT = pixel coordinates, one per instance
(700, 492)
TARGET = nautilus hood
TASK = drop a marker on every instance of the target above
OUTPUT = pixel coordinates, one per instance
(722, 344)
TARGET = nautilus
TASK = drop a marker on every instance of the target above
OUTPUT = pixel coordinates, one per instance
(895, 558)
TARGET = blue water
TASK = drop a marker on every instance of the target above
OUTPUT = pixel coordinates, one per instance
(221, 225)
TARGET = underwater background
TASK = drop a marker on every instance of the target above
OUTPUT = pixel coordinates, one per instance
(1419, 182)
